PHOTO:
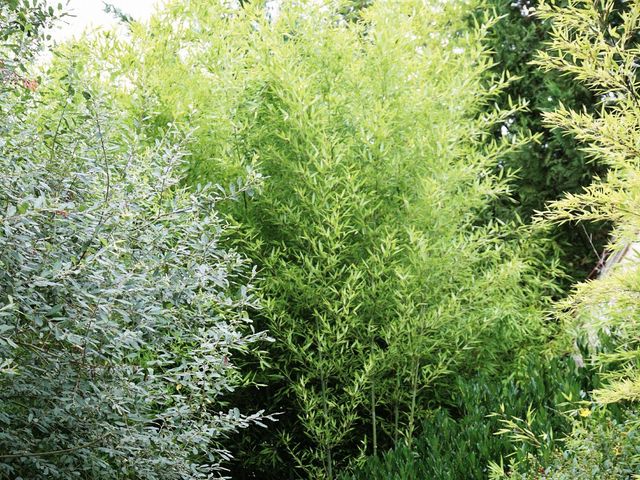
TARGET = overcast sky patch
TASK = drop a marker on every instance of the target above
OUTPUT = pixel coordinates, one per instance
(87, 15)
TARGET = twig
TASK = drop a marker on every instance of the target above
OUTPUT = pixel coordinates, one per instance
(51, 452)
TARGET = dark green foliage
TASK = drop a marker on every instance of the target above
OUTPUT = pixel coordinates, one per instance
(596, 43)
(554, 164)
(459, 441)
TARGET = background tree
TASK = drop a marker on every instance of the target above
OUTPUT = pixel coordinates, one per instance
(596, 44)
(554, 163)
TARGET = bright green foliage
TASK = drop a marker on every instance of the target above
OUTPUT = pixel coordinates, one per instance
(598, 46)
(121, 310)
(379, 289)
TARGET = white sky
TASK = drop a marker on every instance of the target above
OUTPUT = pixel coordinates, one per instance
(89, 14)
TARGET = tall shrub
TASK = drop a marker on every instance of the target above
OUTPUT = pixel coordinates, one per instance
(378, 285)
(122, 309)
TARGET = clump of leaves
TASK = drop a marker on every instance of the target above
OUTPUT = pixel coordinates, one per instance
(599, 447)
(23, 31)
(461, 441)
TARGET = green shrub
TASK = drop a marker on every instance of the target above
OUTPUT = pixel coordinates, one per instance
(460, 441)
(121, 309)
(598, 448)
(379, 287)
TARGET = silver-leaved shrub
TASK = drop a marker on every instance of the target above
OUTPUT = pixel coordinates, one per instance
(121, 310)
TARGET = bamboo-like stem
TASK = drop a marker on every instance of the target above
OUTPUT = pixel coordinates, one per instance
(325, 407)
(414, 395)
(374, 428)
(396, 411)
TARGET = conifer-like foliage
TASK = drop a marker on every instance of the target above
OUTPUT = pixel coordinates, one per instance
(379, 288)
(596, 44)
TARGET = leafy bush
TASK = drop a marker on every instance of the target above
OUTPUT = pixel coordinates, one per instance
(460, 441)
(121, 309)
(599, 448)
(379, 287)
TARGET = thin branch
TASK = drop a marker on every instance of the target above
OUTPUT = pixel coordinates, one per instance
(51, 452)
(57, 132)
(107, 192)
